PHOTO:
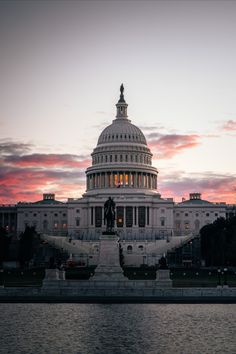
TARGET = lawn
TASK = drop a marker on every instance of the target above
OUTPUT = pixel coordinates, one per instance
(180, 277)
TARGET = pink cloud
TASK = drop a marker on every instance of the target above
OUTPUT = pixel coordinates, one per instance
(230, 125)
(25, 177)
(167, 146)
(48, 160)
(213, 187)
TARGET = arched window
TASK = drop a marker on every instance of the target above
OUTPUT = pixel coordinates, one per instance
(129, 249)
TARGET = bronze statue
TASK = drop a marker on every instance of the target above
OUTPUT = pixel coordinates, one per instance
(163, 263)
(109, 214)
(122, 89)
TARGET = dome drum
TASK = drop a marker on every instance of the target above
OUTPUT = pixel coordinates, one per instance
(122, 178)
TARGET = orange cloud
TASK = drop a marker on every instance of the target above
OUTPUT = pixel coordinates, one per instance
(25, 177)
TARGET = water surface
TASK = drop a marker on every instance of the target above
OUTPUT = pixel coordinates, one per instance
(117, 328)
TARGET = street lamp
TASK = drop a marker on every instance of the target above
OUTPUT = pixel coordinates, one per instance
(225, 276)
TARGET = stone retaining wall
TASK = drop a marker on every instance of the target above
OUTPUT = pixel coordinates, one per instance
(140, 291)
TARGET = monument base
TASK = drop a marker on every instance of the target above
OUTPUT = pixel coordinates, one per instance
(109, 259)
(163, 278)
(52, 276)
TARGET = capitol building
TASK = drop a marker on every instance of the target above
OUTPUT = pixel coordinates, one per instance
(121, 169)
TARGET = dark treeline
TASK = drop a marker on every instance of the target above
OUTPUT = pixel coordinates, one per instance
(218, 242)
(5, 241)
(26, 245)
(21, 249)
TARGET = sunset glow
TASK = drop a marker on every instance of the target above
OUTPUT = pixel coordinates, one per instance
(61, 67)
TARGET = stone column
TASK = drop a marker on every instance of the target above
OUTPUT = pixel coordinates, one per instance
(136, 180)
(106, 179)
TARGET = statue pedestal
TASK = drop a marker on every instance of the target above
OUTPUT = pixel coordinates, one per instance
(52, 276)
(109, 259)
(163, 278)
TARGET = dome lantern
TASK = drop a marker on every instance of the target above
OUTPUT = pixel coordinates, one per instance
(121, 106)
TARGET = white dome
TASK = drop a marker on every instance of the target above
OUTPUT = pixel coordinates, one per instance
(122, 131)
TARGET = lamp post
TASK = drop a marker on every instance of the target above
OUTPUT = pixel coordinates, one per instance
(225, 276)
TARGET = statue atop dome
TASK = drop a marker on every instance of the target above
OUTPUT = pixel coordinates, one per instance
(121, 89)
(121, 93)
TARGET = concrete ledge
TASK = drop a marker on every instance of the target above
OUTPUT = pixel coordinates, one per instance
(86, 291)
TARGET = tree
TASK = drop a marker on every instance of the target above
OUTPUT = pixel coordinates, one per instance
(26, 245)
(218, 242)
(4, 244)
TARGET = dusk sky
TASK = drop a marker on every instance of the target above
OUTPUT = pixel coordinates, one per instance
(61, 66)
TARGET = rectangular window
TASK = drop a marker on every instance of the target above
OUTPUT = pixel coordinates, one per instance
(120, 216)
(110, 158)
(135, 215)
(186, 225)
(91, 215)
(129, 216)
(141, 216)
(178, 225)
(98, 216)
(162, 221)
(77, 221)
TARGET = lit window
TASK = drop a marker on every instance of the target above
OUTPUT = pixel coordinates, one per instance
(186, 225)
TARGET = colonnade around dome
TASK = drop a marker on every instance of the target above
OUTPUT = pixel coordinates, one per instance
(117, 179)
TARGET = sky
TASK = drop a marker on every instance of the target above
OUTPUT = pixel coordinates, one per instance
(61, 66)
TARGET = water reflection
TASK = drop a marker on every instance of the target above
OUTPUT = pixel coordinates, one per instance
(118, 328)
